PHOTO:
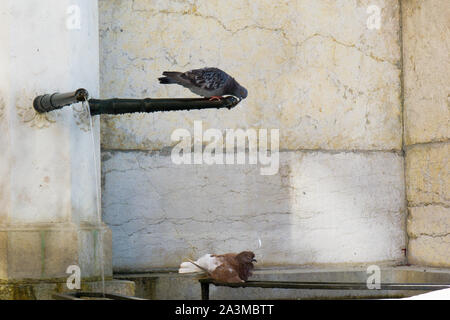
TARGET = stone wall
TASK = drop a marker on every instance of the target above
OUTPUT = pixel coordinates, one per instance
(48, 213)
(315, 71)
(426, 40)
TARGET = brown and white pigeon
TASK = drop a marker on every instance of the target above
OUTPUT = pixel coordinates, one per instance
(211, 83)
(228, 268)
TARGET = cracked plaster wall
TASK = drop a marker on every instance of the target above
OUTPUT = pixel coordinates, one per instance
(426, 29)
(315, 71)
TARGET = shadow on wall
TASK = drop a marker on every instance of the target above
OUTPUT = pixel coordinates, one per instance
(320, 208)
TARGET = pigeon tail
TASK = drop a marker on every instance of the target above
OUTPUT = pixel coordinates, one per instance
(171, 73)
(207, 263)
(165, 80)
(187, 267)
(170, 77)
(200, 267)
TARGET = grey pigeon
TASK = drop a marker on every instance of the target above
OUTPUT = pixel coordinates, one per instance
(211, 83)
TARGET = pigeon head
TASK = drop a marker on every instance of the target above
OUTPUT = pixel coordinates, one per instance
(242, 92)
(245, 260)
(239, 91)
(246, 257)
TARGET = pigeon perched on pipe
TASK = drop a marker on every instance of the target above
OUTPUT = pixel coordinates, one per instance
(227, 268)
(211, 83)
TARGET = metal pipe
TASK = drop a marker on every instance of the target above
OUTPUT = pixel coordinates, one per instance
(50, 102)
(121, 106)
(320, 286)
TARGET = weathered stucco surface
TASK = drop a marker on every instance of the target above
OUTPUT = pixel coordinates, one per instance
(312, 68)
(321, 208)
(426, 27)
(315, 71)
(428, 194)
(429, 235)
(429, 221)
(426, 47)
(428, 174)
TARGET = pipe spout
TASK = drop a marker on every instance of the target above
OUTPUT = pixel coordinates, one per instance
(50, 102)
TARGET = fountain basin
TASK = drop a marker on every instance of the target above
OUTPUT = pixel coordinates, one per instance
(168, 284)
(91, 296)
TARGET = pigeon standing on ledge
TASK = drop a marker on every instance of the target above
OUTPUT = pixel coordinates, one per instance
(211, 83)
(228, 268)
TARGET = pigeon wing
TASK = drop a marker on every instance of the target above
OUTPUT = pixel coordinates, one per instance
(210, 79)
(243, 270)
(226, 273)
